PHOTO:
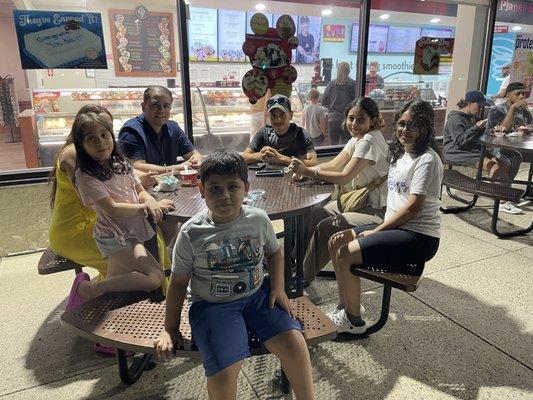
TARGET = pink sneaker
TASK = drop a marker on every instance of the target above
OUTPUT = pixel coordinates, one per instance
(74, 300)
(111, 351)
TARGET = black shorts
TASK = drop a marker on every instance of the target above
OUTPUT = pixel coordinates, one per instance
(396, 250)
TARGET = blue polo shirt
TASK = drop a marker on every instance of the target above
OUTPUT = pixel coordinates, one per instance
(139, 141)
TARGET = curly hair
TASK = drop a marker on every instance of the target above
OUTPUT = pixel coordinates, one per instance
(423, 117)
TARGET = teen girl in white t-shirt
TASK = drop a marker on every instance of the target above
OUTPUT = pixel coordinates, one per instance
(411, 229)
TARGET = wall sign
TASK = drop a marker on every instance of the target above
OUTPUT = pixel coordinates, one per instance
(431, 55)
(522, 64)
(53, 39)
(334, 33)
(142, 47)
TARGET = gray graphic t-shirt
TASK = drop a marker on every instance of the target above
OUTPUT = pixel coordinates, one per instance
(226, 260)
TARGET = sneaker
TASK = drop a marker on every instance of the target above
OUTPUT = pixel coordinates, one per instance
(331, 313)
(345, 326)
(509, 208)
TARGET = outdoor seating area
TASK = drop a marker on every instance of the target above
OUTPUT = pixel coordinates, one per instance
(461, 331)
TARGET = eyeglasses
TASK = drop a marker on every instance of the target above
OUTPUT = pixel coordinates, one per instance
(400, 126)
(282, 101)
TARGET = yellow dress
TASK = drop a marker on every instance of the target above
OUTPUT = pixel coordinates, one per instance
(71, 230)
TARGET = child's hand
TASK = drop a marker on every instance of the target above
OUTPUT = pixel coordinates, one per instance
(166, 205)
(166, 343)
(279, 296)
(367, 233)
(298, 166)
(148, 179)
(154, 209)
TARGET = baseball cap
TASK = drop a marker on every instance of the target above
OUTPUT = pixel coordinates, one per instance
(514, 86)
(304, 19)
(279, 101)
(476, 96)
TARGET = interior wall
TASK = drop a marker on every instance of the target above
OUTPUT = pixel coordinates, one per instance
(11, 58)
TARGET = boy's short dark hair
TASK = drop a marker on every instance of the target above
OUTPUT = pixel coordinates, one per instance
(224, 162)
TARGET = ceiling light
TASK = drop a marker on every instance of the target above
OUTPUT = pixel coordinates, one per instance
(384, 16)
(260, 6)
(434, 20)
(327, 12)
(516, 28)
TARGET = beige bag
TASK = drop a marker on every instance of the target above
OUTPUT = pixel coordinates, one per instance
(357, 198)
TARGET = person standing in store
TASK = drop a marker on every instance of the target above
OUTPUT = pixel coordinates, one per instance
(373, 79)
(499, 98)
(279, 142)
(152, 141)
(339, 93)
(314, 119)
(306, 43)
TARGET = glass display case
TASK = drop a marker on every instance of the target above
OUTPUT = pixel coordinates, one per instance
(220, 116)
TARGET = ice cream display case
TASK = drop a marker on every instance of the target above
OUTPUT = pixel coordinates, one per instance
(55, 111)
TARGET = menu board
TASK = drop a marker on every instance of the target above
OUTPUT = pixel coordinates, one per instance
(437, 32)
(143, 46)
(402, 39)
(231, 35)
(203, 34)
(377, 38)
(249, 15)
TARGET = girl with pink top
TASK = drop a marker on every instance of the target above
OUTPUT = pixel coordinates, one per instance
(106, 182)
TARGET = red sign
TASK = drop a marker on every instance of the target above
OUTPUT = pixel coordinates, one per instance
(501, 29)
(334, 33)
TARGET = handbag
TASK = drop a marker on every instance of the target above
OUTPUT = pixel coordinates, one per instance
(349, 201)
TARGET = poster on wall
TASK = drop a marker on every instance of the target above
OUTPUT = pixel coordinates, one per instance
(437, 32)
(143, 45)
(522, 64)
(502, 53)
(334, 33)
(377, 38)
(402, 39)
(433, 56)
(231, 35)
(308, 49)
(54, 39)
(203, 34)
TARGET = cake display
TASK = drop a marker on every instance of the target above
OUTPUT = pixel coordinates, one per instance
(168, 184)
(58, 46)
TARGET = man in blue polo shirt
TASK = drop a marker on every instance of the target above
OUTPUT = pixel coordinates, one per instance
(152, 141)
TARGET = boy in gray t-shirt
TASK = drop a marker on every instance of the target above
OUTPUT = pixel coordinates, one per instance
(314, 119)
(221, 252)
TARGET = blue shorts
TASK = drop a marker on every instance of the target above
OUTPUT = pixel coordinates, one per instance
(110, 245)
(220, 330)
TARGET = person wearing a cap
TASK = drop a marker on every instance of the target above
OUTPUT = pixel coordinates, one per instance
(510, 116)
(278, 142)
(499, 97)
(306, 43)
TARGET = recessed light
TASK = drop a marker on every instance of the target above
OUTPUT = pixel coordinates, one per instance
(434, 20)
(516, 28)
(384, 16)
(327, 11)
(260, 6)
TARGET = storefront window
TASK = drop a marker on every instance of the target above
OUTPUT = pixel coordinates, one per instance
(141, 49)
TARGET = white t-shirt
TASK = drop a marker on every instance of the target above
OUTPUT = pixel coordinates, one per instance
(372, 146)
(421, 175)
(503, 86)
(313, 115)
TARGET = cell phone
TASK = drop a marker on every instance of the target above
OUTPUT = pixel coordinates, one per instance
(270, 173)
(257, 166)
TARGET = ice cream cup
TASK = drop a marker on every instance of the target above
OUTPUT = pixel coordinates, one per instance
(189, 177)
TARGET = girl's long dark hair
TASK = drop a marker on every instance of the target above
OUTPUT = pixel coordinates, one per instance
(52, 180)
(423, 117)
(117, 162)
(370, 107)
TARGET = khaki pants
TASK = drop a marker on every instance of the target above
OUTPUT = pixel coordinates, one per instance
(324, 222)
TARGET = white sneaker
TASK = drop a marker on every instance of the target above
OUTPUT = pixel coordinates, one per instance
(344, 325)
(331, 313)
(509, 208)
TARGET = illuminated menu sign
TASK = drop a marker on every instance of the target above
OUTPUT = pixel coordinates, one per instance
(203, 44)
(402, 39)
(231, 35)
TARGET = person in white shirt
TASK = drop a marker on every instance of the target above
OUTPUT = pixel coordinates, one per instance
(411, 230)
(499, 98)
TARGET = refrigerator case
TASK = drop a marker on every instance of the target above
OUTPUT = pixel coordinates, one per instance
(55, 111)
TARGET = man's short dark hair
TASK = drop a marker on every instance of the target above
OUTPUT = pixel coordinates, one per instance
(514, 86)
(224, 162)
(149, 90)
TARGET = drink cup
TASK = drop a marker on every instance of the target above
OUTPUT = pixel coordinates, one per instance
(189, 177)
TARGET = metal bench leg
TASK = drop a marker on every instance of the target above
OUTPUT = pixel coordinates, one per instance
(130, 375)
(494, 224)
(458, 209)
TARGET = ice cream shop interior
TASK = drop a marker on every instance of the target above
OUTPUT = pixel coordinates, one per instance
(58, 55)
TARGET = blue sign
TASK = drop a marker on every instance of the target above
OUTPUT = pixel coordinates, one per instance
(53, 39)
(502, 53)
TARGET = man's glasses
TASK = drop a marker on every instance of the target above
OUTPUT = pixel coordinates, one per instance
(282, 101)
(400, 126)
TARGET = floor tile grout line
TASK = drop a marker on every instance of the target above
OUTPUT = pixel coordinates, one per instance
(101, 366)
(472, 332)
(485, 241)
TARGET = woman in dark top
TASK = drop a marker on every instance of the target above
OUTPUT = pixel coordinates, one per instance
(338, 94)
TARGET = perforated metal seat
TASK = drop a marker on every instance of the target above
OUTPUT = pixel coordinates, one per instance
(50, 263)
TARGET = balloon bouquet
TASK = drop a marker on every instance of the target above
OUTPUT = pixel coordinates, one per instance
(269, 50)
